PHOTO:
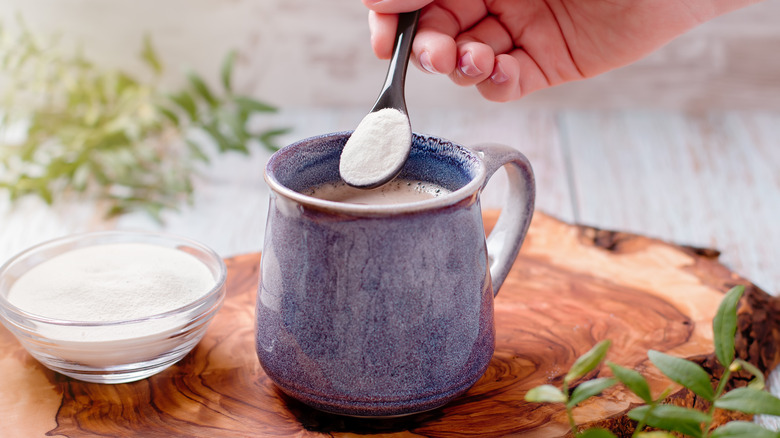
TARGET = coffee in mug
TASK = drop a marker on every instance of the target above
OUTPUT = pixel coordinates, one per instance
(397, 191)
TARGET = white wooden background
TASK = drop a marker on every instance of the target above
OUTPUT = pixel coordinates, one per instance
(705, 179)
(306, 53)
(683, 146)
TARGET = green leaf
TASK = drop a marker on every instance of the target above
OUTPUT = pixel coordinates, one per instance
(633, 381)
(224, 142)
(186, 102)
(168, 114)
(588, 361)
(200, 87)
(124, 83)
(227, 71)
(673, 418)
(758, 382)
(197, 151)
(81, 178)
(116, 210)
(149, 55)
(684, 372)
(724, 326)
(545, 394)
(596, 432)
(267, 138)
(588, 389)
(234, 125)
(45, 193)
(253, 105)
(743, 429)
(113, 140)
(750, 401)
(154, 209)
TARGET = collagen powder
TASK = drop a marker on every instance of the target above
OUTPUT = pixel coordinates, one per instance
(111, 282)
(377, 149)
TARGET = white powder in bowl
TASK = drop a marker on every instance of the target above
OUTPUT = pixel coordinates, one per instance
(112, 282)
(377, 149)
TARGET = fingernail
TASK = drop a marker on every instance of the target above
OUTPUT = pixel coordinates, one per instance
(467, 65)
(499, 77)
(425, 62)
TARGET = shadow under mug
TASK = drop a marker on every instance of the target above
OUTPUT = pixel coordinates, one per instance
(385, 310)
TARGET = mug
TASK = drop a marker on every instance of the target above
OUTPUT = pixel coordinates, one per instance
(385, 310)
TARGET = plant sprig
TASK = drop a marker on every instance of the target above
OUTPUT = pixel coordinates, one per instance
(667, 419)
(106, 135)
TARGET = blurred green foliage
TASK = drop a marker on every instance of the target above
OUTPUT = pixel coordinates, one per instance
(664, 420)
(105, 135)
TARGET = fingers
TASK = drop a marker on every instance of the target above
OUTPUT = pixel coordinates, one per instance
(474, 63)
(491, 32)
(395, 6)
(476, 51)
(434, 52)
(503, 84)
(383, 21)
(469, 58)
(382, 27)
(499, 78)
(484, 55)
(514, 75)
(434, 49)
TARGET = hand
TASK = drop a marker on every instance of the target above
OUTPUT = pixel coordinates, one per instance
(510, 48)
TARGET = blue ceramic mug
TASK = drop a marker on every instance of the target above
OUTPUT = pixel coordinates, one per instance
(385, 310)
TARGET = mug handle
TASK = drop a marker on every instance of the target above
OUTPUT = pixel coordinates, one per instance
(504, 241)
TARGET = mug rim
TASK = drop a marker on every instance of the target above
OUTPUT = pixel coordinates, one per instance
(468, 190)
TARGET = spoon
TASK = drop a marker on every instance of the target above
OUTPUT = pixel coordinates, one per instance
(378, 148)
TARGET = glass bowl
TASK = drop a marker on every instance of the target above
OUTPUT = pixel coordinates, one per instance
(116, 351)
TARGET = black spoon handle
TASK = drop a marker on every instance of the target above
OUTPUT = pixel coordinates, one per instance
(392, 94)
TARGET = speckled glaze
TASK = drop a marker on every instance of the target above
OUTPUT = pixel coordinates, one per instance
(384, 310)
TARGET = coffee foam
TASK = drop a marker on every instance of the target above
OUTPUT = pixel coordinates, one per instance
(397, 191)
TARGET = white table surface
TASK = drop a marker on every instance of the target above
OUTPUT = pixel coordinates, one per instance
(709, 179)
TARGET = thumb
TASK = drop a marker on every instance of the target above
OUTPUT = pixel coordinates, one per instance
(395, 6)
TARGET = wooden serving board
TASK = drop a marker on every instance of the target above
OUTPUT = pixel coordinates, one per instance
(570, 287)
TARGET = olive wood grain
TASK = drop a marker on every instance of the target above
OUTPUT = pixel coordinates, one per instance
(570, 287)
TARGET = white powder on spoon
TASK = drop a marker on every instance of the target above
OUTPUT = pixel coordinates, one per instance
(377, 149)
(111, 282)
